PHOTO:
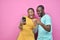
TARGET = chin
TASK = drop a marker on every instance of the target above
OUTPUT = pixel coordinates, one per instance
(31, 17)
(40, 15)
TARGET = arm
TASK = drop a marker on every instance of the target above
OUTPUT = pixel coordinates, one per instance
(35, 29)
(47, 25)
(23, 22)
(21, 26)
(35, 25)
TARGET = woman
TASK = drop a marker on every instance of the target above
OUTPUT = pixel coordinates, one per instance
(27, 26)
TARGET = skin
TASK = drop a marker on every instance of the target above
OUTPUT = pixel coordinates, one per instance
(41, 13)
(31, 16)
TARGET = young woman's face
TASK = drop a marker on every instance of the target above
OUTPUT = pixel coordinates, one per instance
(31, 13)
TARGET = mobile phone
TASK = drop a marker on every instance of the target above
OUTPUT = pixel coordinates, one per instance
(23, 19)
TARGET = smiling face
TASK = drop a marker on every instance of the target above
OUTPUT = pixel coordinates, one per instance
(31, 13)
(40, 11)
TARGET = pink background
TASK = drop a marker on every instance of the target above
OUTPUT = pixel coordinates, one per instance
(12, 10)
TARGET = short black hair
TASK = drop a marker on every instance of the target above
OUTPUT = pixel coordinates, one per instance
(41, 6)
(31, 9)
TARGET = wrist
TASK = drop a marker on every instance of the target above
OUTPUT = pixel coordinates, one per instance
(41, 24)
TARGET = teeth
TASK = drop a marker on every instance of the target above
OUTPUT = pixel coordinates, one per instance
(31, 16)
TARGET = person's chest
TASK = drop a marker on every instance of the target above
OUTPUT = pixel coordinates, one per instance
(40, 28)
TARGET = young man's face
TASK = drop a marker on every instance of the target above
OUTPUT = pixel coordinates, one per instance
(40, 11)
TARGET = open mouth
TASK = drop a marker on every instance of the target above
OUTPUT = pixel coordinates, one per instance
(31, 16)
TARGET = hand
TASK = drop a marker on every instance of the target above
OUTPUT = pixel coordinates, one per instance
(23, 22)
(39, 22)
(21, 25)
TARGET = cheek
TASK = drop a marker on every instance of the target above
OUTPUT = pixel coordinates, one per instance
(29, 13)
(40, 11)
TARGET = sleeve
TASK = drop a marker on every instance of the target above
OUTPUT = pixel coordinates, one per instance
(48, 20)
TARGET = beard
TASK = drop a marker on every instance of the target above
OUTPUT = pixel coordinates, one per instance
(40, 15)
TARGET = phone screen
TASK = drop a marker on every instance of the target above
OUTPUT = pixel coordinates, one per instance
(23, 19)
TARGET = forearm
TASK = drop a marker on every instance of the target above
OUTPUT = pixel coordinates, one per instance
(35, 29)
(21, 26)
(46, 27)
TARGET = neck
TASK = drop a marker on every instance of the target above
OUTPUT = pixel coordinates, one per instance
(43, 14)
(30, 18)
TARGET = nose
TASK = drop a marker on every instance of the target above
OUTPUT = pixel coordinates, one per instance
(40, 11)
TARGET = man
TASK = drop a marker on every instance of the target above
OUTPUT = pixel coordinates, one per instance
(44, 24)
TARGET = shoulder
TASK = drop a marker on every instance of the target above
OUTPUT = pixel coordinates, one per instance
(47, 16)
(35, 19)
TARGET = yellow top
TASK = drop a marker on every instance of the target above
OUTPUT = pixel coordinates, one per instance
(27, 32)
